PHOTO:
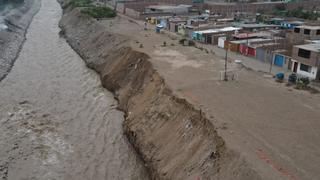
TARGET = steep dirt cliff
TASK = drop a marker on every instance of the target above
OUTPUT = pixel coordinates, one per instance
(175, 140)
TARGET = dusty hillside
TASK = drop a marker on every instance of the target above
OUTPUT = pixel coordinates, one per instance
(175, 140)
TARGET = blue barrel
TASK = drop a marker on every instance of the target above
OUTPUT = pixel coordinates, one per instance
(280, 76)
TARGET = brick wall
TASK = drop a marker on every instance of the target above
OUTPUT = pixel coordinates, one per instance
(312, 61)
(306, 4)
(229, 9)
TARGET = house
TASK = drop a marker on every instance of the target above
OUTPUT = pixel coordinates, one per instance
(291, 24)
(308, 32)
(211, 36)
(306, 60)
(276, 21)
(168, 9)
(282, 59)
(174, 23)
(301, 33)
(182, 30)
(232, 8)
(260, 34)
(247, 46)
(255, 27)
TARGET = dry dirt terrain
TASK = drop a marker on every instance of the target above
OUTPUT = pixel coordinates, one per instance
(274, 127)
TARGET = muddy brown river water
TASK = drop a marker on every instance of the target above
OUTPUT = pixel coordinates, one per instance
(56, 120)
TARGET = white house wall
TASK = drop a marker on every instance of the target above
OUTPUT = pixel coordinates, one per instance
(311, 75)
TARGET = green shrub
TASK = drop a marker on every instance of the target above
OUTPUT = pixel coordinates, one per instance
(298, 13)
(99, 12)
(80, 3)
(303, 83)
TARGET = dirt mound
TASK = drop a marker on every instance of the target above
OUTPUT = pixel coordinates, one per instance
(175, 140)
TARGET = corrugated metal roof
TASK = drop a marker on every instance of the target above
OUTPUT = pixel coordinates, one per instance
(211, 31)
(309, 27)
(310, 47)
(250, 41)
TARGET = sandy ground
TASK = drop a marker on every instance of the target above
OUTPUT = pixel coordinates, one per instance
(273, 126)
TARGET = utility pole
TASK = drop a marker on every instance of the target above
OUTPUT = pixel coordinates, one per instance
(273, 49)
(271, 62)
(226, 60)
(115, 6)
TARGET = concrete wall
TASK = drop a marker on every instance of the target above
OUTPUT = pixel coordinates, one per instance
(229, 9)
(306, 5)
(312, 35)
(121, 8)
(312, 61)
(299, 38)
(312, 75)
(132, 13)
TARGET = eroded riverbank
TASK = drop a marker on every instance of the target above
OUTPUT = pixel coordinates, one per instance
(175, 140)
(57, 122)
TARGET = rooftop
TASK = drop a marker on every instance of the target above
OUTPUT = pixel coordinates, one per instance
(166, 7)
(296, 22)
(309, 27)
(211, 31)
(250, 41)
(250, 35)
(255, 25)
(310, 47)
(177, 19)
(277, 19)
(232, 4)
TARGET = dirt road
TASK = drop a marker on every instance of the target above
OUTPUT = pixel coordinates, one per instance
(275, 127)
(56, 121)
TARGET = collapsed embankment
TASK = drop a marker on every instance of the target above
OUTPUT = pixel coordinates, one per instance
(11, 39)
(175, 140)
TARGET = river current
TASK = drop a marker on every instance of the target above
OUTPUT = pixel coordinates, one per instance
(56, 120)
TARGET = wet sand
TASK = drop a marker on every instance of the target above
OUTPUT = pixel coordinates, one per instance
(57, 122)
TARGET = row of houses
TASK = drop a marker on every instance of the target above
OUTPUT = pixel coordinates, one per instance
(140, 9)
(303, 57)
(276, 41)
(294, 48)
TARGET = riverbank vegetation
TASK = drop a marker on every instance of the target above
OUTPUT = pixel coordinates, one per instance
(99, 12)
(80, 3)
(91, 10)
(298, 13)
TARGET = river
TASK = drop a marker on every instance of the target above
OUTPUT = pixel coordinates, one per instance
(5, 7)
(56, 120)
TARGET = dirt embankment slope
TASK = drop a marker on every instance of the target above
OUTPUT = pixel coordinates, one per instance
(175, 140)
(11, 39)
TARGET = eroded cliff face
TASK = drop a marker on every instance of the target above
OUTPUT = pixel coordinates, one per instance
(175, 140)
